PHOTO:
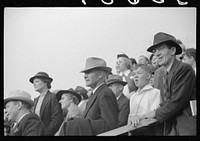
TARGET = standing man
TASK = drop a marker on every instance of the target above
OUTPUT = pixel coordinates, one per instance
(101, 113)
(116, 84)
(123, 66)
(178, 87)
(17, 108)
(46, 105)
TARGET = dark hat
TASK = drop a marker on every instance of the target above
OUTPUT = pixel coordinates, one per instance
(41, 75)
(19, 95)
(82, 91)
(115, 79)
(161, 38)
(71, 91)
(122, 55)
(96, 63)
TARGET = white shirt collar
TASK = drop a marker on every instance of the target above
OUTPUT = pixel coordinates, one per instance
(119, 96)
(147, 87)
(22, 117)
(93, 91)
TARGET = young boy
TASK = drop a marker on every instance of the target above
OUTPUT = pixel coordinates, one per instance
(144, 100)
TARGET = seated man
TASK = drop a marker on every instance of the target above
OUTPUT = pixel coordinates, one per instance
(144, 100)
(116, 84)
(17, 108)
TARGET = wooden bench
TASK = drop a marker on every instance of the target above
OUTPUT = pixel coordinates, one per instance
(127, 128)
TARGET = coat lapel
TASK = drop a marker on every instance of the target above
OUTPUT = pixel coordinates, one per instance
(171, 73)
(44, 103)
(92, 99)
(35, 103)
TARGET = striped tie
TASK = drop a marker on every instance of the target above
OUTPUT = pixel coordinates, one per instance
(165, 87)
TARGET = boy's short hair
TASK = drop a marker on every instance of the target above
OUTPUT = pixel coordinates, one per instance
(146, 68)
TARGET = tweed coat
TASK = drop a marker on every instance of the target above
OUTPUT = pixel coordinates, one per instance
(101, 115)
(29, 125)
(51, 113)
(175, 112)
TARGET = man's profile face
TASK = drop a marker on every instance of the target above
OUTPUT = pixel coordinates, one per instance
(11, 110)
(92, 78)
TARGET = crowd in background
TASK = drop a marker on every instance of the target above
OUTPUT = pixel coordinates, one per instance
(159, 87)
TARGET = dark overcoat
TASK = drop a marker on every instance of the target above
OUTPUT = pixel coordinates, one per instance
(29, 125)
(176, 112)
(51, 113)
(101, 115)
(124, 109)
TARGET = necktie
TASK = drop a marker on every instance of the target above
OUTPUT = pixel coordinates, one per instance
(165, 87)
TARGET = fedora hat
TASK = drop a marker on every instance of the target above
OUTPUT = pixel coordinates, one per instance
(71, 91)
(161, 38)
(19, 95)
(96, 63)
(41, 75)
(82, 91)
(115, 79)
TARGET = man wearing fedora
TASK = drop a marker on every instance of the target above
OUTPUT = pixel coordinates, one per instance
(116, 84)
(46, 106)
(101, 112)
(178, 88)
(17, 109)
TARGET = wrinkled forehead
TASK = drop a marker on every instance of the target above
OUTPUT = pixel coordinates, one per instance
(9, 103)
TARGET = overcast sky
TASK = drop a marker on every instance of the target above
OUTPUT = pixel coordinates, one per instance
(59, 40)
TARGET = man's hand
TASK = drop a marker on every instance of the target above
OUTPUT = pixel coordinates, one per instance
(133, 120)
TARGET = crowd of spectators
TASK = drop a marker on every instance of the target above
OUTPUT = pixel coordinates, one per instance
(161, 87)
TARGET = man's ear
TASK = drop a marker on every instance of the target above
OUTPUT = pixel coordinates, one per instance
(19, 104)
(192, 58)
(149, 76)
(173, 50)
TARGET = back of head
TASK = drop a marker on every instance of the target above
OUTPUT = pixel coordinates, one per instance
(191, 52)
(133, 61)
(143, 60)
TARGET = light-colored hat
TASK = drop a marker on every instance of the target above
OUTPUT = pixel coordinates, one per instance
(94, 62)
(19, 95)
(115, 79)
(41, 75)
(161, 38)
